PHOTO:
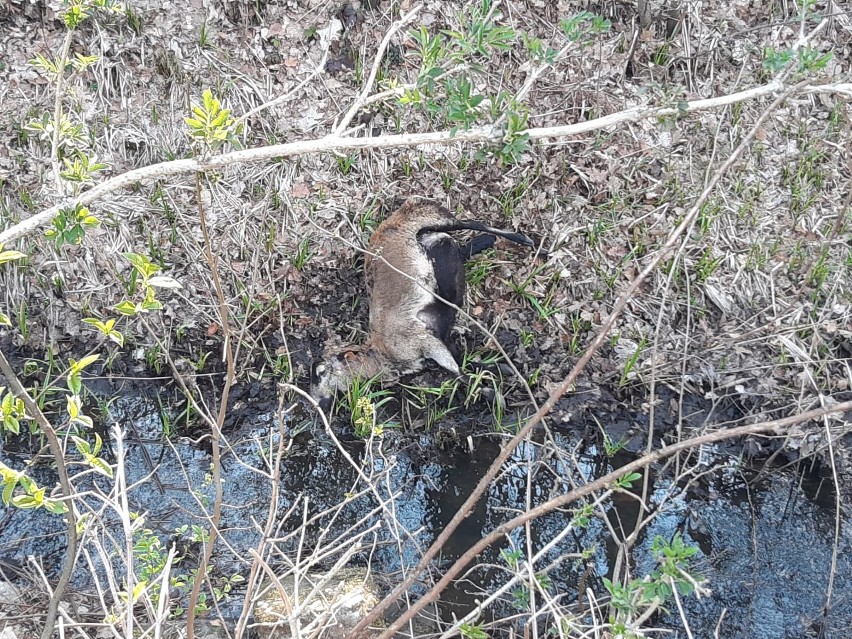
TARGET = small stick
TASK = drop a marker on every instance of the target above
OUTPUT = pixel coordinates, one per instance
(380, 54)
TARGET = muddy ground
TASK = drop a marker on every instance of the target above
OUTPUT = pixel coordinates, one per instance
(750, 321)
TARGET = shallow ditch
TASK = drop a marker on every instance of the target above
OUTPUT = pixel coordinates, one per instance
(765, 547)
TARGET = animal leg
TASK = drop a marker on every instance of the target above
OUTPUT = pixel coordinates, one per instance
(437, 351)
(503, 369)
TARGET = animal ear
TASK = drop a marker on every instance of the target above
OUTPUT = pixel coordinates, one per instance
(350, 355)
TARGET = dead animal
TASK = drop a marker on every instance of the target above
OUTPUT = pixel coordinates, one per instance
(411, 258)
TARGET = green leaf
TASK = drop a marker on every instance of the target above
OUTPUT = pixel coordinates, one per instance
(627, 481)
(11, 424)
(102, 467)
(208, 99)
(9, 486)
(56, 507)
(77, 367)
(34, 491)
(96, 449)
(93, 321)
(142, 264)
(83, 446)
(85, 420)
(194, 123)
(138, 589)
(25, 502)
(72, 406)
(127, 308)
(8, 256)
(75, 384)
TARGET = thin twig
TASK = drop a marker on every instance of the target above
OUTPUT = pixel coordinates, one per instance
(67, 493)
(377, 62)
(838, 510)
(601, 483)
(216, 432)
(258, 553)
(283, 98)
(122, 509)
(680, 609)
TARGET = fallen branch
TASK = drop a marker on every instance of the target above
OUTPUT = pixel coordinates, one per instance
(332, 143)
(567, 383)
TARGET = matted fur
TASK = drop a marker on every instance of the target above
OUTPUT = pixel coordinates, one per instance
(408, 325)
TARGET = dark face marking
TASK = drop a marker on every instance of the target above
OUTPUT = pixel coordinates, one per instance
(472, 225)
(477, 245)
(326, 377)
(324, 396)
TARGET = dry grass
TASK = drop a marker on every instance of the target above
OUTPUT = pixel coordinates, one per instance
(753, 310)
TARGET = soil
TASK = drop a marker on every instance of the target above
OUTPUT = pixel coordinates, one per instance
(750, 320)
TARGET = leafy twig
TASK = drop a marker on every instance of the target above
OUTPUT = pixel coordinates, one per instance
(57, 113)
(67, 492)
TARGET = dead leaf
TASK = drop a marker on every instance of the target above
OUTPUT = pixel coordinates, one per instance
(300, 189)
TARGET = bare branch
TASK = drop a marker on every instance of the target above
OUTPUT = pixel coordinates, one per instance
(602, 483)
(332, 143)
(216, 430)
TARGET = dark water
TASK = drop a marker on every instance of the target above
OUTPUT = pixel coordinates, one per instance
(765, 547)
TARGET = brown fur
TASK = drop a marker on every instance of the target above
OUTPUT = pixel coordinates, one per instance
(399, 341)
(394, 299)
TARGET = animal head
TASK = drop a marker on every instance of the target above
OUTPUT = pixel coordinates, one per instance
(329, 376)
(424, 212)
(334, 373)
